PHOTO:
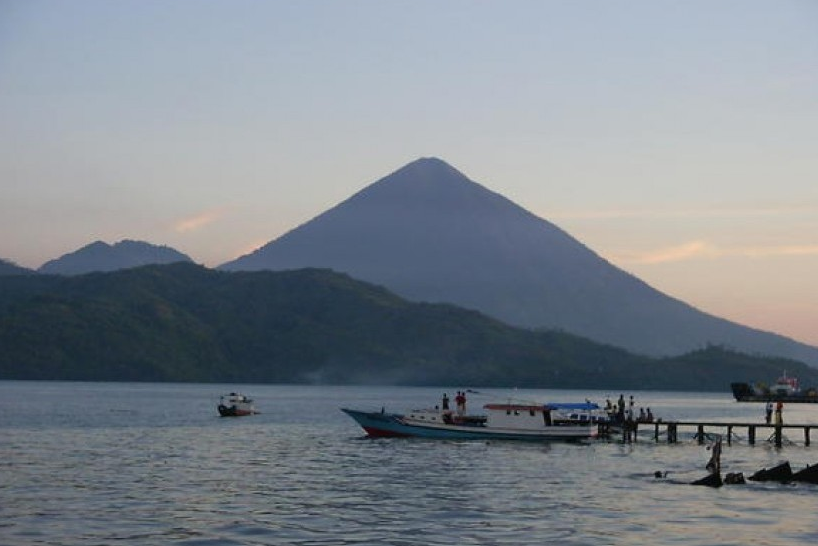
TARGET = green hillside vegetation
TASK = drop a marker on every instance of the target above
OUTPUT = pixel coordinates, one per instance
(184, 322)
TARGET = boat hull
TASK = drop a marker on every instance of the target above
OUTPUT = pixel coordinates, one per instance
(233, 411)
(390, 425)
(808, 475)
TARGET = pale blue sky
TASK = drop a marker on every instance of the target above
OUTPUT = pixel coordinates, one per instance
(677, 139)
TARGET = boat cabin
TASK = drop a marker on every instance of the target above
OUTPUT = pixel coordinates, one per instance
(445, 417)
(518, 416)
(785, 385)
(514, 416)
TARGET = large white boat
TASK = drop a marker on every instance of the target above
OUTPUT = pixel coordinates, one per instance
(511, 421)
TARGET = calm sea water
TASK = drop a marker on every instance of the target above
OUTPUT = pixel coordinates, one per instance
(126, 463)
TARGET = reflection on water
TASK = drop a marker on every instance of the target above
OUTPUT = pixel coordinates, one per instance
(150, 464)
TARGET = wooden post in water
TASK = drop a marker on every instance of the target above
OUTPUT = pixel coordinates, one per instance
(700, 433)
(751, 435)
(729, 435)
(656, 432)
(806, 436)
(671, 433)
(778, 436)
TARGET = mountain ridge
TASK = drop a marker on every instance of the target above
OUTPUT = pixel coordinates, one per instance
(99, 256)
(7, 267)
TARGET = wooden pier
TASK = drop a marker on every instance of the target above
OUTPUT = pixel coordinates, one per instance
(670, 430)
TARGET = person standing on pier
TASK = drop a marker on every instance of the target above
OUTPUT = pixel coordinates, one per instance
(779, 419)
(768, 411)
(714, 464)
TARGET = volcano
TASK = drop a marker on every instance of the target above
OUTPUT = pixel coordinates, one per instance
(429, 233)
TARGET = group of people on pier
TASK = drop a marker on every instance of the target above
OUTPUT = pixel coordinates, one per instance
(622, 412)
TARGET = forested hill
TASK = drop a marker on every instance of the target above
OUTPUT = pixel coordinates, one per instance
(184, 322)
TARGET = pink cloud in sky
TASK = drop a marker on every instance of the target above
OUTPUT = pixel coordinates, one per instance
(715, 212)
(200, 220)
(702, 249)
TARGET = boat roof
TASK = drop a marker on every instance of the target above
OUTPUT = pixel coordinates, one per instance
(573, 405)
(579, 406)
(540, 407)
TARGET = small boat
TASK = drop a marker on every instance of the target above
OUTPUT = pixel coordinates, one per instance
(785, 389)
(509, 421)
(235, 405)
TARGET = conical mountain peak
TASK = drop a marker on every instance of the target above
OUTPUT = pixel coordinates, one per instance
(424, 216)
(429, 168)
(428, 177)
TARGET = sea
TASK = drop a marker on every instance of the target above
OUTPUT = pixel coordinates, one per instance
(153, 463)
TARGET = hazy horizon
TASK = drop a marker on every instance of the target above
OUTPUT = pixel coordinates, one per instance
(676, 140)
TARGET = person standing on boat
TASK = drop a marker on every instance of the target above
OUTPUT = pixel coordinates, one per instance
(445, 402)
(768, 411)
(620, 404)
(460, 402)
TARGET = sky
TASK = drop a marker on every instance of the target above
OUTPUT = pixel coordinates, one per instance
(677, 139)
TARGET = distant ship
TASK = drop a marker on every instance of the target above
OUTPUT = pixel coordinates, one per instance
(785, 389)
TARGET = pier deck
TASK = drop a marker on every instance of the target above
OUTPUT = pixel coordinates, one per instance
(670, 430)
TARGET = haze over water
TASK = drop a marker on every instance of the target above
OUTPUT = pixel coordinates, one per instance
(103, 463)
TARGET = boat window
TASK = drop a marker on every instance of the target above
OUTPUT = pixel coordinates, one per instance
(508, 411)
(531, 412)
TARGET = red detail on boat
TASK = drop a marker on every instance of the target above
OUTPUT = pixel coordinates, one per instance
(380, 433)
